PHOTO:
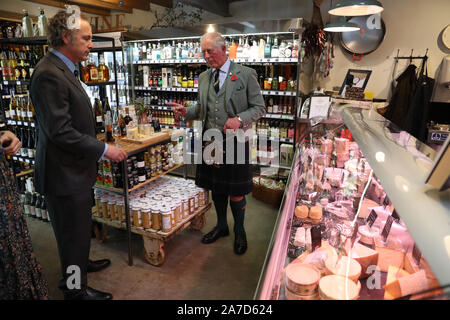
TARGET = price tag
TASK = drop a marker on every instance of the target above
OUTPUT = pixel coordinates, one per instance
(13, 122)
(396, 216)
(371, 218)
(416, 254)
(32, 124)
(276, 60)
(26, 124)
(27, 161)
(20, 159)
(387, 228)
(18, 82)
(190, 89)
(15, 158)
(5, 83)
(276, 116)
(316, 237)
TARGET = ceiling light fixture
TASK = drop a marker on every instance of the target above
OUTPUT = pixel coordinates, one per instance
(341, 26)
(356, 8)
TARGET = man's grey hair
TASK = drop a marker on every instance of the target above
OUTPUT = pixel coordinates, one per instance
(56, 26)
(217, 38)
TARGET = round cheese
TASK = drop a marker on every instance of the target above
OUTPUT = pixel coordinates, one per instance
(315, 213)
(302, 279)
(301, 212)
(367, 234)
(337, 288)
(339, 266)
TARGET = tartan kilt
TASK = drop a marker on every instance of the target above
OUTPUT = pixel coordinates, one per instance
(230, 179)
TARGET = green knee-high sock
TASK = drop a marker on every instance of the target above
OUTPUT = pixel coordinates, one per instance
(221, 204)
(238, 210)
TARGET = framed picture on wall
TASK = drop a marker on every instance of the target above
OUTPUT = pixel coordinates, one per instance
(355, 78)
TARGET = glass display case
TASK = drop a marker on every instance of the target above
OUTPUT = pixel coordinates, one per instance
(357, 220)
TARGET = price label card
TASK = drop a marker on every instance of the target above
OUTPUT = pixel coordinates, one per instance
(371, 218)
(416, 254)
(5, 83)
(396, 216)
(32, 124)
(316, 237)
(13, 122)
(20, 159)
(18, 82)
(387, 228)
(27, 161)
(15, 158)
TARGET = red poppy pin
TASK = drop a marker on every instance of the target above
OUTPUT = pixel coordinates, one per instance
(233, 78)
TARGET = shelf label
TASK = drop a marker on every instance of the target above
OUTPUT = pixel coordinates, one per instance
(32, 124)
(15, 158)
(5, 83)
(371, 218)
(18, 82)
(387, 228)
(27, 161)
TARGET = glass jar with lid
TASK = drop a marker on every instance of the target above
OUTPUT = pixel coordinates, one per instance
(166, 219)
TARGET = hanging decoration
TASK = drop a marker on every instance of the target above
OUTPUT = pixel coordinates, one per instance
(179, 15)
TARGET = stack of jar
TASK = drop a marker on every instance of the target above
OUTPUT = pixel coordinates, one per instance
(159, 206)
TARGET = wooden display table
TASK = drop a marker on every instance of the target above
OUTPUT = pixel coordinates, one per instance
(154, 240)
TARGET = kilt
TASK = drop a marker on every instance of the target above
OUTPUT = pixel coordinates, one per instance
(229, 179)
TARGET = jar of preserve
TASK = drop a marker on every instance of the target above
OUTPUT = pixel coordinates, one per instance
(196, 200)
(191, 203)
(120, 210)
(173, 214)
(156, 218)
(98, 205)
(146, 216)
(104, 203)
(137, 215)
(166, 220)
(185, 203)
(112, 208)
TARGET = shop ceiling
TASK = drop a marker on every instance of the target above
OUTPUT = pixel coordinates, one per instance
(105, 7)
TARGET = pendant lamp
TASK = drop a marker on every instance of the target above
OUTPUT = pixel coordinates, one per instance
(341, 26)
(356, 8)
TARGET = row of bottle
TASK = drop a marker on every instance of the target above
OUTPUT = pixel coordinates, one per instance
(92, 73)
(20, 108)
(28, 138)
(277, 77)
(163, 98)
(274, 128)
(237, 48)
(17, 61)
(39, 29)
(34, 204)
(16, 88)
(280, 105)
(167, 77)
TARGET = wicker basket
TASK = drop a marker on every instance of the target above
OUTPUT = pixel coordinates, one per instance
(269, 196)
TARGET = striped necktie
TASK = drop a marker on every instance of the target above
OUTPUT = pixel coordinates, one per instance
(216, 81)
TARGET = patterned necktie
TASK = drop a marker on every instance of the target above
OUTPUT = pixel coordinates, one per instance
(216, 81)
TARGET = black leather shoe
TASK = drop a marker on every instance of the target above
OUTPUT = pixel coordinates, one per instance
(97, 265)
(240, 243)
(87, 294)
(215, 234)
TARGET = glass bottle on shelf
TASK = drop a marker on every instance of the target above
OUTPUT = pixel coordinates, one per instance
(98, 111)
(33, 205)
(103, 70)
(275, 52)
(27, 25)
(282, 49)
(268, 48)
(246, 49)
(190, 83)
(232, 51)
(240, 49)
(42, 23)
(143, 51)
(196, 79)
(37, 206)
(282, 79)
(108, 127)
(268, 79)
(184, 51)
(184, 81)
(261, 48)
(179, 78)
(178, 51)
(288, 50)
(197, 50)
(294, 49)
(275, 80)
(44, 213)
(13, 107)
(92, 70)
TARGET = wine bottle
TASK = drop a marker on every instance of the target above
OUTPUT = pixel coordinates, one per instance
(108, 127)
(98, 111)
(37, 206)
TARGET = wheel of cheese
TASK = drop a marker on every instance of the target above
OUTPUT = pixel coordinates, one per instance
(302, 279)
(367, 234)
(338, 266)
(293, 296)
(337, 288)
(301, 212)
(315, 213)
(365, 256)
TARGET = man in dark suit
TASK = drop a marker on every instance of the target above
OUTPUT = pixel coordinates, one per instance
(68, 151)
(229, 99)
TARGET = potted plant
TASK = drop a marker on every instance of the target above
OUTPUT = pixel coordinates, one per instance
(141, 110)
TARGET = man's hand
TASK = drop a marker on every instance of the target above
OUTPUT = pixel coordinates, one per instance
(178, 110)
(232, 123)
(115, 154)
(11, 144)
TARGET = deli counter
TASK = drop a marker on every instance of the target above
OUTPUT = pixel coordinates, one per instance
(357, 220)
